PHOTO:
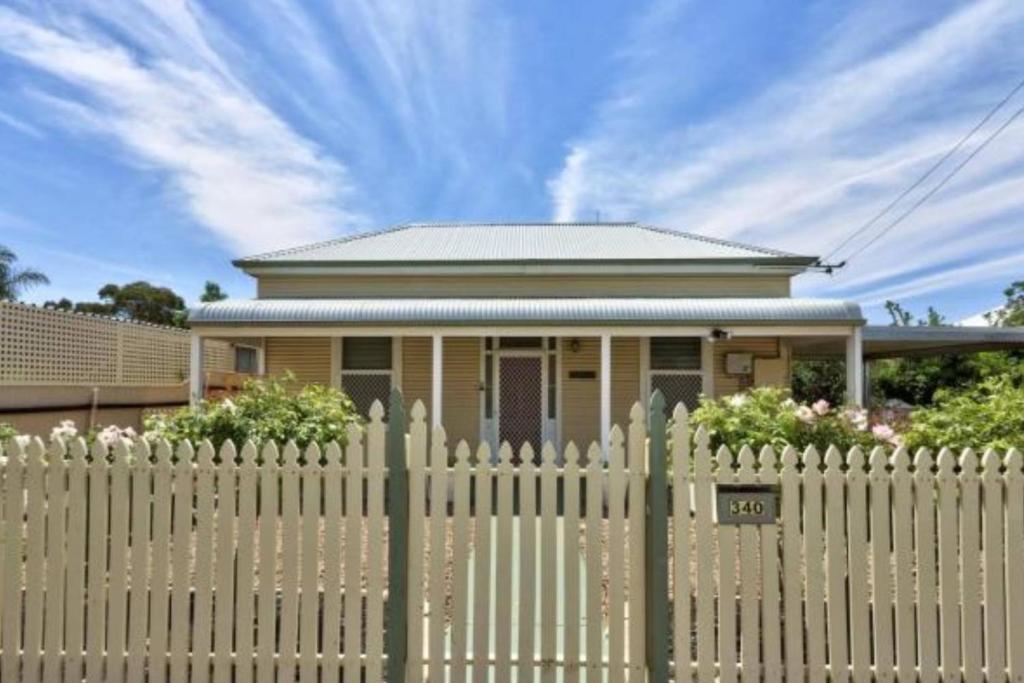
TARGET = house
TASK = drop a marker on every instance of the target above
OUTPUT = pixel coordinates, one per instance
(535, 331)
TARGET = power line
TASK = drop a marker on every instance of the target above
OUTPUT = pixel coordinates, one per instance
(928, 195)
(927, 174)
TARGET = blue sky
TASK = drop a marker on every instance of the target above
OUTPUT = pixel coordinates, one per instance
(158, 139)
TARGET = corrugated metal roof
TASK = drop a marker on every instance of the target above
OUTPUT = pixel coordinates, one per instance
(519, 242)
(889, 341)
(525, 311)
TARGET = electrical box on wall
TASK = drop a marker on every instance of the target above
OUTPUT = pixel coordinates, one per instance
(739, 363)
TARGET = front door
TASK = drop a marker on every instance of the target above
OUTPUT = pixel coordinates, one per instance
(520, 401)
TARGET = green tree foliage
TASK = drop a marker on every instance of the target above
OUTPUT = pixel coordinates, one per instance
(14, 280)
(988, 415)
(819, 379)
(139, 301)
(1011, 313)
(915, 380)
(212, 292)
(263, 410)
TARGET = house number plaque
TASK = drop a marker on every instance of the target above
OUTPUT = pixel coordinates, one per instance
(746, 503)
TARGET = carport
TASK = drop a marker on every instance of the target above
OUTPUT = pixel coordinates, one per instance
(889, 341)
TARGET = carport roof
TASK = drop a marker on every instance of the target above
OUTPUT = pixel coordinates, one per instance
(888, 341)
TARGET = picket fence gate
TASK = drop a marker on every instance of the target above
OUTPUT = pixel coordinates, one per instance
(172, 564)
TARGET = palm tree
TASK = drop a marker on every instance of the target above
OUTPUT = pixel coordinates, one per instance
(14, 280)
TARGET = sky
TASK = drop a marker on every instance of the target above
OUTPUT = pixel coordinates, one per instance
(159, 139)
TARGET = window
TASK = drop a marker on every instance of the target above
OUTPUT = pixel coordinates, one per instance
(519, 343)
(245, 360)
(366, 370)
(676, 370)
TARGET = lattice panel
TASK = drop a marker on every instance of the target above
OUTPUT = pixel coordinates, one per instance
(678, 388)
(520, 402)
(364, 389)
(41, 346)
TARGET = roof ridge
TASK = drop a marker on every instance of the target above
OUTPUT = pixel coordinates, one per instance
(492, 224)
(715, 240)
(324, 243)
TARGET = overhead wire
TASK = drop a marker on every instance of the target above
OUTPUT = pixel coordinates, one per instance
(927, 174)
(928, 195)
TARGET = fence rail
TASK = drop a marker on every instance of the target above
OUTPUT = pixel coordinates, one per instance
(276, 563)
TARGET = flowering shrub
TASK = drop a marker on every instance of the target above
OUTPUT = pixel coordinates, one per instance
(988, 415)
(769, 416)
(263, 410)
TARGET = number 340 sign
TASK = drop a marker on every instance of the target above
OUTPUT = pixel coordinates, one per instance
(746, 503)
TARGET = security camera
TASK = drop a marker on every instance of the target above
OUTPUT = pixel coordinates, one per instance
(718, 334)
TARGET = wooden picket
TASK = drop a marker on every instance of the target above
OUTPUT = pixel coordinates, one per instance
(266, 563)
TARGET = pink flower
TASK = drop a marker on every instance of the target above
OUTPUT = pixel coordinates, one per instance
(883, 433)
(821, 407)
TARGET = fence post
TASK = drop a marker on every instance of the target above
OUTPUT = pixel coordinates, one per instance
(398, 526)
(657, 544)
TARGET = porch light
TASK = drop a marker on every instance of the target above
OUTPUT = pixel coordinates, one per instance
(574, 345)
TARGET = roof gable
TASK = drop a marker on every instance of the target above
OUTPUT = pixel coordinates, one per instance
(496, 243)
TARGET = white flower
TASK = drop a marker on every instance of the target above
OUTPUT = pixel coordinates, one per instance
(821, 407)
(230, 406)
(805, 414)
(65, 430)
(737, 400)
(858, 417)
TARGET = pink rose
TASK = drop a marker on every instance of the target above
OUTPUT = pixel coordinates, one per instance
(821, 407)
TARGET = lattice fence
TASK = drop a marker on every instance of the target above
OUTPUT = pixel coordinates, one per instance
(43, 346)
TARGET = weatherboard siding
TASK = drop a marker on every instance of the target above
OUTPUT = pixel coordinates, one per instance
(766, 348)
(308, 358)
(283, 287)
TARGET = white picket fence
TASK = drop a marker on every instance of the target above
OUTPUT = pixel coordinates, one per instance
(188, 564)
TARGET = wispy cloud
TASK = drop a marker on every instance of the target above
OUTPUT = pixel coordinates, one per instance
(241, 170)
(815, 152)
(20, 125)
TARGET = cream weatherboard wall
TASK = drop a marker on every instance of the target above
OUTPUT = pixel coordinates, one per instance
(281, 287)
(309, 358)
(771, 356)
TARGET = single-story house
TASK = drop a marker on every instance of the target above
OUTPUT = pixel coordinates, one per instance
(539, 331)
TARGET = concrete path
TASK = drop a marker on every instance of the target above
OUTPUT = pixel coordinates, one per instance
(560, 609)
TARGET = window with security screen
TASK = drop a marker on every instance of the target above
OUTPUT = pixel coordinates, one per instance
(676, 370)
(366, 370)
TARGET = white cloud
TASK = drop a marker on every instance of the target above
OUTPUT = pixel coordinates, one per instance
(240, 169)
(813, 155)
(20, 125)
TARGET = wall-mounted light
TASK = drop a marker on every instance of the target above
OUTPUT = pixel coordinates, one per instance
(574, 345)
(719, 334)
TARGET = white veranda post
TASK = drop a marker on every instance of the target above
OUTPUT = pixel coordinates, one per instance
(436, 380)
(195, 376)
(855, 368)
(606, 391)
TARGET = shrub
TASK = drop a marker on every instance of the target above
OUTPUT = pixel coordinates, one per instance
(263, 410)
(769, 416)
(7, 432)
(988, 415)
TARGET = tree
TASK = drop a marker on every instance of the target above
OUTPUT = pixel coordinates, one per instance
(1011, 313)
(212, 292)
(63, 304)
(143, 301)
(14, 280)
